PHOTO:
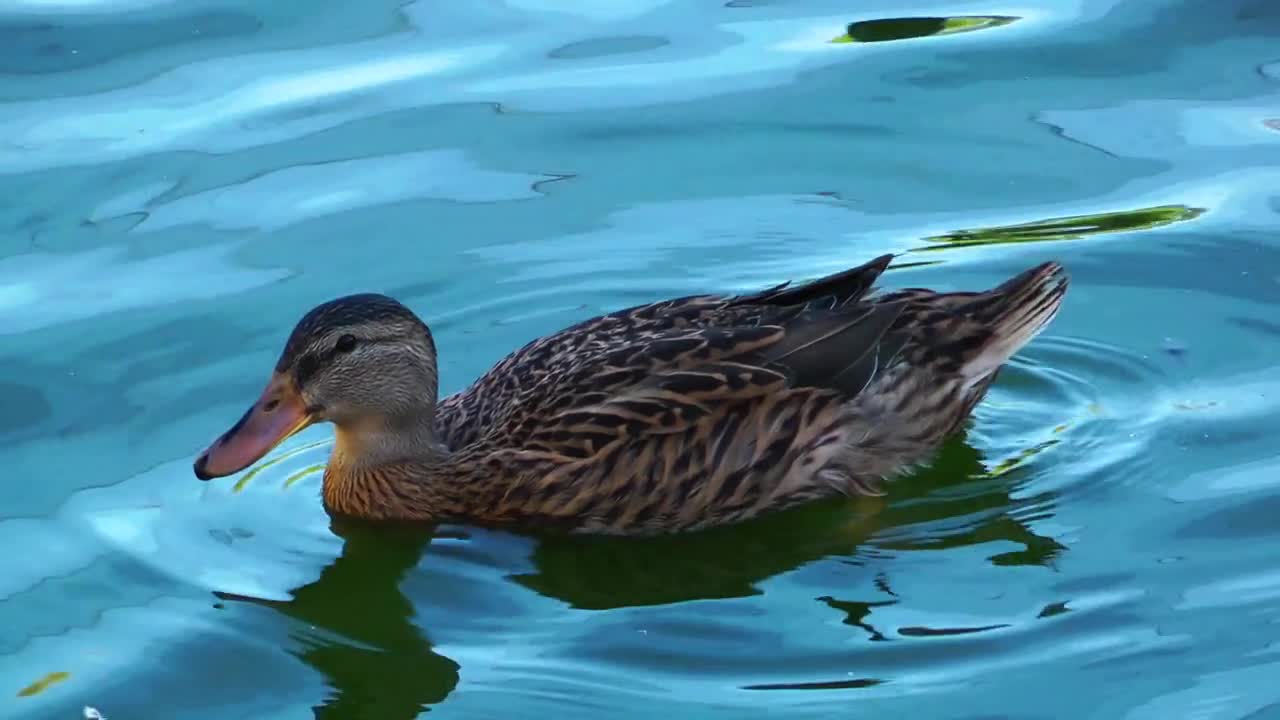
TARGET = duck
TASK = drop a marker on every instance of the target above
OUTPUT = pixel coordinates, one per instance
(672, 416)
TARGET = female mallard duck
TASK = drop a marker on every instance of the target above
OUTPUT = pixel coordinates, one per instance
(671, 416)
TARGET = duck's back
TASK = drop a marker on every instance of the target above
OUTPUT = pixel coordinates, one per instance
(706, 410)
(462, 418)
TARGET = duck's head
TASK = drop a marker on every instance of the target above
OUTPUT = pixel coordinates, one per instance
(363, 362)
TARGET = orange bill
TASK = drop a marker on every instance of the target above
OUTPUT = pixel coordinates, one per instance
(279, 413)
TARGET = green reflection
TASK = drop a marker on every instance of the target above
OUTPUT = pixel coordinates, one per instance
(1066, 228)
(885, 29)
(362, 637)
(602, 573)
(381, 665)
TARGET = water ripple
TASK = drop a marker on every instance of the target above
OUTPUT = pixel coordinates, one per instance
(181, 180)
(306, 192)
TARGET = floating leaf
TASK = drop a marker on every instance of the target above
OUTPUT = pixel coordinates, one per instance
(917, 263)
(1009, 464)
(886, 29)
(1067, 228)
(43, 684)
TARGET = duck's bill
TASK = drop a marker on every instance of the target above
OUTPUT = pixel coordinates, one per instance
(279, 413)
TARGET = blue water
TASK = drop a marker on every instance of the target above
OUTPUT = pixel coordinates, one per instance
(180, 181)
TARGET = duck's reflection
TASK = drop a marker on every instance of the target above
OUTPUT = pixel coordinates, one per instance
(383, 665)
(601, 573)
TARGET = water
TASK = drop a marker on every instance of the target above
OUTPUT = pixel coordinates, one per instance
(180, 181)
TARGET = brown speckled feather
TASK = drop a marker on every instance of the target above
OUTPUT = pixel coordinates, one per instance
(704, 410)
(670, 416)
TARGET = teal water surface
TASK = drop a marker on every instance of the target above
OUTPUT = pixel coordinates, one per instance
(180, 181)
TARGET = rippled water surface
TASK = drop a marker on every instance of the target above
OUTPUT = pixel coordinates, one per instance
(179, 181)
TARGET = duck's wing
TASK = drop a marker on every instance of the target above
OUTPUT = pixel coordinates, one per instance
(463, 417)
(680, 430)
(831, 291)
(660, 379)
(686, 429)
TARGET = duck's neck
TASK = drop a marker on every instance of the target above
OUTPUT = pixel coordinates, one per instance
(383, 470)
(385, 441)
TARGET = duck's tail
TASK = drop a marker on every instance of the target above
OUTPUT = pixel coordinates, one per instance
(1013, 313)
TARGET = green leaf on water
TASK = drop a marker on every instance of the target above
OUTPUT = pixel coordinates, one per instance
(1066, 228)
(905, 28)
(43, 684)
(1004, 467)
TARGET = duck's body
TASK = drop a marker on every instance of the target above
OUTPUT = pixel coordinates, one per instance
(670, 416)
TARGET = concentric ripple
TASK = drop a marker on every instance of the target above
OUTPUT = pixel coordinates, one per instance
(1089, 408)
(1047, 433)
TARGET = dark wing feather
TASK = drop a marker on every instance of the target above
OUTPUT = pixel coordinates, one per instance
(651, 383)
(821, 305)
(840, 351)
(828, 292)
(665, 383)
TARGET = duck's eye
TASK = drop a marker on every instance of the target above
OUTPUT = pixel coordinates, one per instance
(346, 344)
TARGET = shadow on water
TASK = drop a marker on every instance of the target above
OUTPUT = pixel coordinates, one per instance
(384, 666)
(605, 573)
